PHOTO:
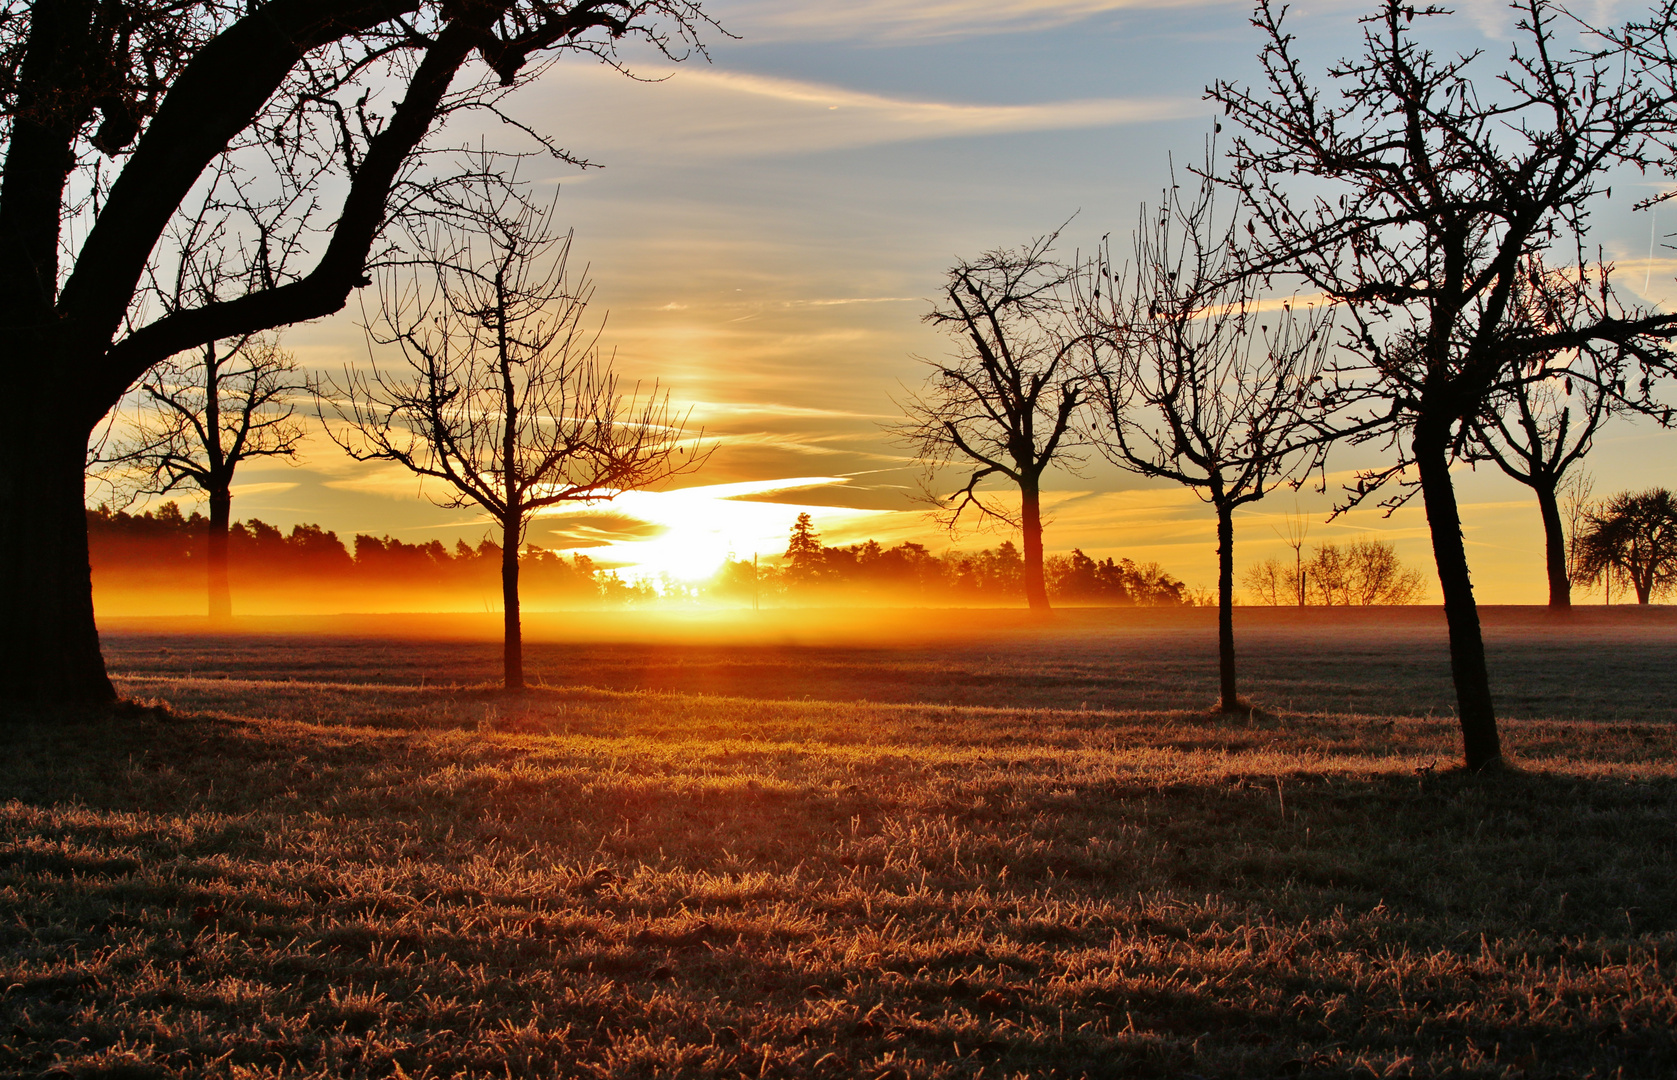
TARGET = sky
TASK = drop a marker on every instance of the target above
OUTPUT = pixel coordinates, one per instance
(766, 229)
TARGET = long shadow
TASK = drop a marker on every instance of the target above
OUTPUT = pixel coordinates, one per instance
(1249, 926)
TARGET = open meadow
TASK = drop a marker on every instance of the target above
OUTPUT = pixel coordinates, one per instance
(892, 845)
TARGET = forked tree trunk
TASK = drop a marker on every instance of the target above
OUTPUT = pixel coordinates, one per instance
(512, 652)
(1554, 543)
(1225, 610)
(1480, 744)
(1030, 521)
(49, 645)
(221, 591)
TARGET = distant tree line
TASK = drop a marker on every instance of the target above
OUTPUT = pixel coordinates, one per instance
(164, 547)
(908, 572)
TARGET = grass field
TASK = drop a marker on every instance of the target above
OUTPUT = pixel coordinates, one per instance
(814, 858)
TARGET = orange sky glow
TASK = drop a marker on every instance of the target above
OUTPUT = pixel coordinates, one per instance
(766, 230)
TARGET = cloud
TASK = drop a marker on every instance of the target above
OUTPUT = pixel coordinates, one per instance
(1648, 278)
(569, 531)
(856, 300)
(263, 487)
(718, 114)
(894, 22)
(757, 489)
(738, 410)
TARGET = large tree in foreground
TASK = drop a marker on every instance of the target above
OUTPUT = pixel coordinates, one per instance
(1195, 382)
(1002, 404)
(119, 121)
(502, 396)
(1430, 185)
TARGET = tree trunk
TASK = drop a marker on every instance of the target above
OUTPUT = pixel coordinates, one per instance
(512, 664)
(1480, 744)
(1644, 585)
(1030, 520)
(1225, 609)
(49, 644)
(1554, 541)
(221, 592)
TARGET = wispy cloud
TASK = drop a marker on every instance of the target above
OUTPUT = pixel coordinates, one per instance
(895, 22)
(571, 530)
(263, 487)
(712, 411)
(1647, 277)
(745, 489)
(856, 300)
(710, 113)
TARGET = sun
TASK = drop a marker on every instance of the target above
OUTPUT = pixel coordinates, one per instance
(698, 528)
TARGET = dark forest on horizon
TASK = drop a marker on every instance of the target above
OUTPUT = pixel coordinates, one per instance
(164, 549)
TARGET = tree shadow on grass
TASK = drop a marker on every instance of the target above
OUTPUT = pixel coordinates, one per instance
(182, 890)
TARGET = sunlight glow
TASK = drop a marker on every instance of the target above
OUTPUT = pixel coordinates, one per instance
(699, 527)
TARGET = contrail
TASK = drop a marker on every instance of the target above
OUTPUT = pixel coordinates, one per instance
(1653, 218)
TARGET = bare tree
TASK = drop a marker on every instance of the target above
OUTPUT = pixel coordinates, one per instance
(1364, 571)
(1002, 405)
(1634, 535)
(198, 420)
(1540, 426)
(307, 119)
(504, 396)
(1195, 382)
(203, 411)
(1432, 185)
(1297, 529)
(1272, 581)
(1575, 504)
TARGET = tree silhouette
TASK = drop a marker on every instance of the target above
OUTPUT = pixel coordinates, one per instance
(1365, 571)
(505, 397)
(1541, 426)
(1635, 535)
(1194, 382)
(303, 122)
(1576, 501)
(1003, 404)
(803, 548)
(199, 421)
(1429, 188)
